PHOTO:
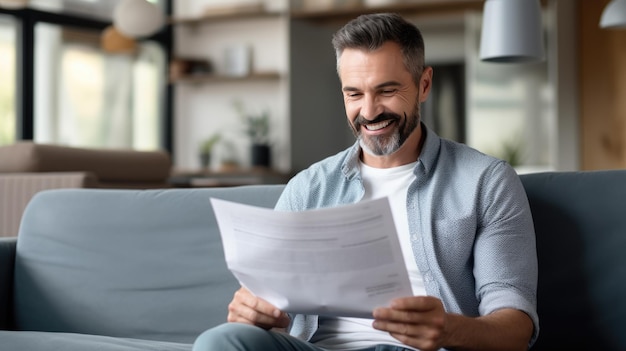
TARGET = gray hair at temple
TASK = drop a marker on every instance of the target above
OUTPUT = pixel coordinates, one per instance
(370, 32)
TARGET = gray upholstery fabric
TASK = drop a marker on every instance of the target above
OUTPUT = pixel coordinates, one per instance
(144, 264)
(148, 265)
(580, 223)
(31, 341)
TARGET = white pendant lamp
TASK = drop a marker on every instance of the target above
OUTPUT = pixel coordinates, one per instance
(137, 18)
(512, 31)
(614, 15)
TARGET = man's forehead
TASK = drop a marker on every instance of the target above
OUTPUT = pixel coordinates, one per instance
(378, 67)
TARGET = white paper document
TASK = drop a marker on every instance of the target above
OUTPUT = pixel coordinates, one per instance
(341, 261)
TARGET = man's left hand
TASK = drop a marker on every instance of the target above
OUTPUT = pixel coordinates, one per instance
(416, 321)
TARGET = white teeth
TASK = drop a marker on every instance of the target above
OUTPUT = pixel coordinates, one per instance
(377, 126)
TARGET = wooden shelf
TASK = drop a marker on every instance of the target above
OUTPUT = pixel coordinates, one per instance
(213, 78)
(224, 16)
(423, 7)
(243, 176)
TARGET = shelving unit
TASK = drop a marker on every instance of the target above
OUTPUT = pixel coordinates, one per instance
(297, 55)
(205, 100)
(424, 7)
(224, 14)
(213, 78)
(228, 16)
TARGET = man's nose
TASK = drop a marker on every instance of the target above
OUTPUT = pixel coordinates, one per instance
(371, 107)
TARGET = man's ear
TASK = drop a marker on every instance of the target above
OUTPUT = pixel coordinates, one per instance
(426, 82)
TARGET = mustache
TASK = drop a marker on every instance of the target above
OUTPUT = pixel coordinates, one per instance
(360, 120)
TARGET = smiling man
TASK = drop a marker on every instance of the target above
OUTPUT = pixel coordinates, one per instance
(462, 219)
(382, 103)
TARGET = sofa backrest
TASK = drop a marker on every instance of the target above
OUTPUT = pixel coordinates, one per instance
(580, 224)
(149, 264)
(142, 264)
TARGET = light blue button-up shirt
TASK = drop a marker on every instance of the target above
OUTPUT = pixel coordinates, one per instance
(471, 228)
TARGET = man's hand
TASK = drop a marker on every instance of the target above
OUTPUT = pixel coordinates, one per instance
(249, 309)
(421, 322)
(417, 321)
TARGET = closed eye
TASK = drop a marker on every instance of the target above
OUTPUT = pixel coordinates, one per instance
(353, 94)
(388, 92)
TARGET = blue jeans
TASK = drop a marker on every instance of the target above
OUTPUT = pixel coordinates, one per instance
(244, 337)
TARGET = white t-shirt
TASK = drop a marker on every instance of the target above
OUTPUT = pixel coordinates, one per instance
(342, 333)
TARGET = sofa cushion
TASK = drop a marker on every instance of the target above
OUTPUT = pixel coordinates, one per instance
(145, 264)
(29, 341)
(580, 224)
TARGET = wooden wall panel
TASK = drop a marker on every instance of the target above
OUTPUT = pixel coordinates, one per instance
(602, 90)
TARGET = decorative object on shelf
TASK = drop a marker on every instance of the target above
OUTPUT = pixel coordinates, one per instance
(13, 4)
(238, 60)
(614, 15)
(137, 18)
(513, 152)
(113, 41)
(206, 149)
(512, 31)
(227, 154)
(181, 68)
(257, 127)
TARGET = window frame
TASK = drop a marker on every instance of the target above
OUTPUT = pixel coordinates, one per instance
(27, 19)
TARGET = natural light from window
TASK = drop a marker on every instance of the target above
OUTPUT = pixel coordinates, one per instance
(86, 97)
(7, 81)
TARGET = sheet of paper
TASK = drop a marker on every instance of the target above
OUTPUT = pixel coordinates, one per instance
(341, 261)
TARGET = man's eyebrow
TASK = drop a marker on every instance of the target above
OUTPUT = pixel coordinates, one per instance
(391, 83)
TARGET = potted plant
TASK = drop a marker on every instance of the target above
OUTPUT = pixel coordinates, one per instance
(206, 148)
(257, 128)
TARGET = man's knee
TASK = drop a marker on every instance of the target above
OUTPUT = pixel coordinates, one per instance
(232, 336)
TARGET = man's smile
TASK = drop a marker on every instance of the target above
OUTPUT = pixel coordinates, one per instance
(378, 126)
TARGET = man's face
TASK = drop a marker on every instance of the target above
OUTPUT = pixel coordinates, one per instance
(381, 98)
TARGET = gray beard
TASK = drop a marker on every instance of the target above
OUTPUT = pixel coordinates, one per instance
(380, 146)
(387, 145)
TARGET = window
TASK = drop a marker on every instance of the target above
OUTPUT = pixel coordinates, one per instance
(510, 109)
(7, 80)
(86, 97)
(71, 91)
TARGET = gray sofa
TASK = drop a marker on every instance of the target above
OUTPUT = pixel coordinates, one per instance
(130, 270)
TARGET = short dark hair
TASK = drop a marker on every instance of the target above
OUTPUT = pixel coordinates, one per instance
(370, 32)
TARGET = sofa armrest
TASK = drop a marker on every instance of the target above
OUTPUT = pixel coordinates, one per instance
(16, 190)
(7, 265)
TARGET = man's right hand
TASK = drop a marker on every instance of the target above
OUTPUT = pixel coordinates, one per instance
(249, 309)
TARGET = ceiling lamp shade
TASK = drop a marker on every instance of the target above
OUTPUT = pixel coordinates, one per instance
(512, 31)
(13, 4)
(137, 18)
(115, 42)
(614, 15)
